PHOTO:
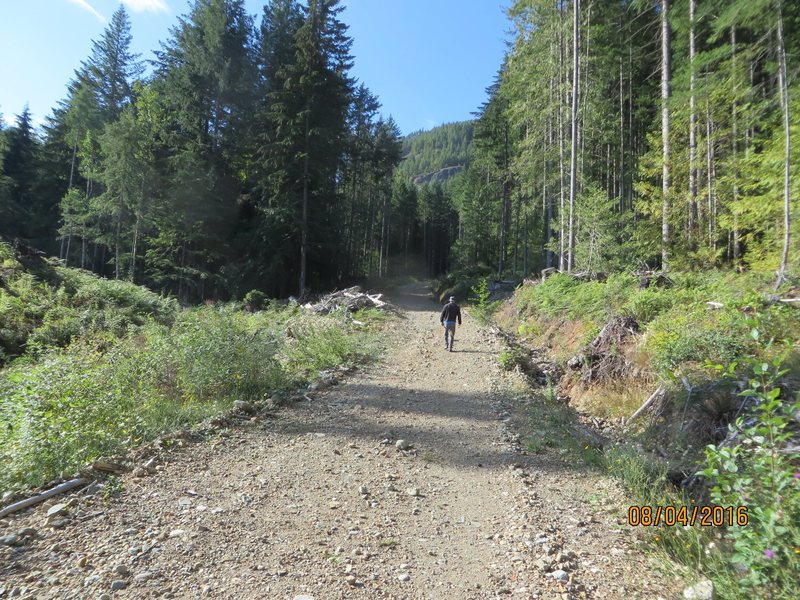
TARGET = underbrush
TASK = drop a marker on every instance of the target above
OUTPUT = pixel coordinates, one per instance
(755, 554)
(682, 335)
(460, 283)
(107, 391)
(553, 427)
(703, 318)
(46, 306)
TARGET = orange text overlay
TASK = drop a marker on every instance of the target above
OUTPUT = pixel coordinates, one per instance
(704, 516)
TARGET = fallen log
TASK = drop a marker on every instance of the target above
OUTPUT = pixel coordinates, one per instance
(59, 489)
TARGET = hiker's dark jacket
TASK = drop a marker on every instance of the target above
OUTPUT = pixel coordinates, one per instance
(450, 312)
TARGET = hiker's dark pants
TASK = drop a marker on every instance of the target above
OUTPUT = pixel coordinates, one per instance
(449, 332)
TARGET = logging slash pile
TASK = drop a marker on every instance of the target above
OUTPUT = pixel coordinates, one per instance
(351, 299)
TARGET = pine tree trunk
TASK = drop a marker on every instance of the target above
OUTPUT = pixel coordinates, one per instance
(548, 226)
(712, 238)
(787, 145)
(304, 217)
(692, 127)
(525, 251)
(665, 93)
(584, 95)
(562, 262)
(382, 268)
(116, 248)
(132, 276)
(631, 138)
(621, 142)
(574, 127)
(516, 233)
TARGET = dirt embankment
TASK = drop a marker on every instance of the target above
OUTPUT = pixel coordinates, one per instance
(408, 480)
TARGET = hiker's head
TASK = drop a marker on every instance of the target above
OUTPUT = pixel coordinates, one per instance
(452, 299)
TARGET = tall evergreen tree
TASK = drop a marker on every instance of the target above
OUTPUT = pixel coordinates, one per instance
(20, 167)
(112, 67)
(309, 123)
(206, 81)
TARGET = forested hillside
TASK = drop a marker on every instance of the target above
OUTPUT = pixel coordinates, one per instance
(620, 133)
(436, 155)
(248, 158)
(615, 134)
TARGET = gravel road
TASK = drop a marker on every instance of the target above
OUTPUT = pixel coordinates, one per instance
(405, 480)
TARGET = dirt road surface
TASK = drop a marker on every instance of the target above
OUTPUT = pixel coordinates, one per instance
(319, 502)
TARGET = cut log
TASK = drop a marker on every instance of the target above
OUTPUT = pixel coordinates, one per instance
(59, 489)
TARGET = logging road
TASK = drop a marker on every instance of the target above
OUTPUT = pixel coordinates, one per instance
(319, 502)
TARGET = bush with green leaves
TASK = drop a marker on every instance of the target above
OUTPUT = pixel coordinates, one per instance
(680, 328)
(695, 334)
(255, 300)
(459, 283)
(761, 471)
(563, 296)
(483, 308)
(48, 306)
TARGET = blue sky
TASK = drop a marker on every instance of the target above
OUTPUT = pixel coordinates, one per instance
(429, 61)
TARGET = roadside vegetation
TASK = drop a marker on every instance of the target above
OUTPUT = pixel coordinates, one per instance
(94, 367)
(725, 351)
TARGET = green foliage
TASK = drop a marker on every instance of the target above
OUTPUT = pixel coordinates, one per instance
(54, 305)
(509, 358)
(255, 300)
(528, 328)
(564, 296)
(758, 472)
(648, 304)
(483, 307)
(642, 476)
(680, 329)
(102, 395)
(432, 155)
(555, 428)
(598, 248)
(644, 479)
(459, 283)
(695, 335)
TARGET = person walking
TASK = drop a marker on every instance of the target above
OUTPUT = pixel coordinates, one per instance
(450, 314)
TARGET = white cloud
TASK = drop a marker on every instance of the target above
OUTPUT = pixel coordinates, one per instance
(146, 5)
(89, 8)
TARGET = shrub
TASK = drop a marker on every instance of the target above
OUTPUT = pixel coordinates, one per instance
(483, 308)
(255, 300)
(648, 304)
(761, 472)
(695, 334)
